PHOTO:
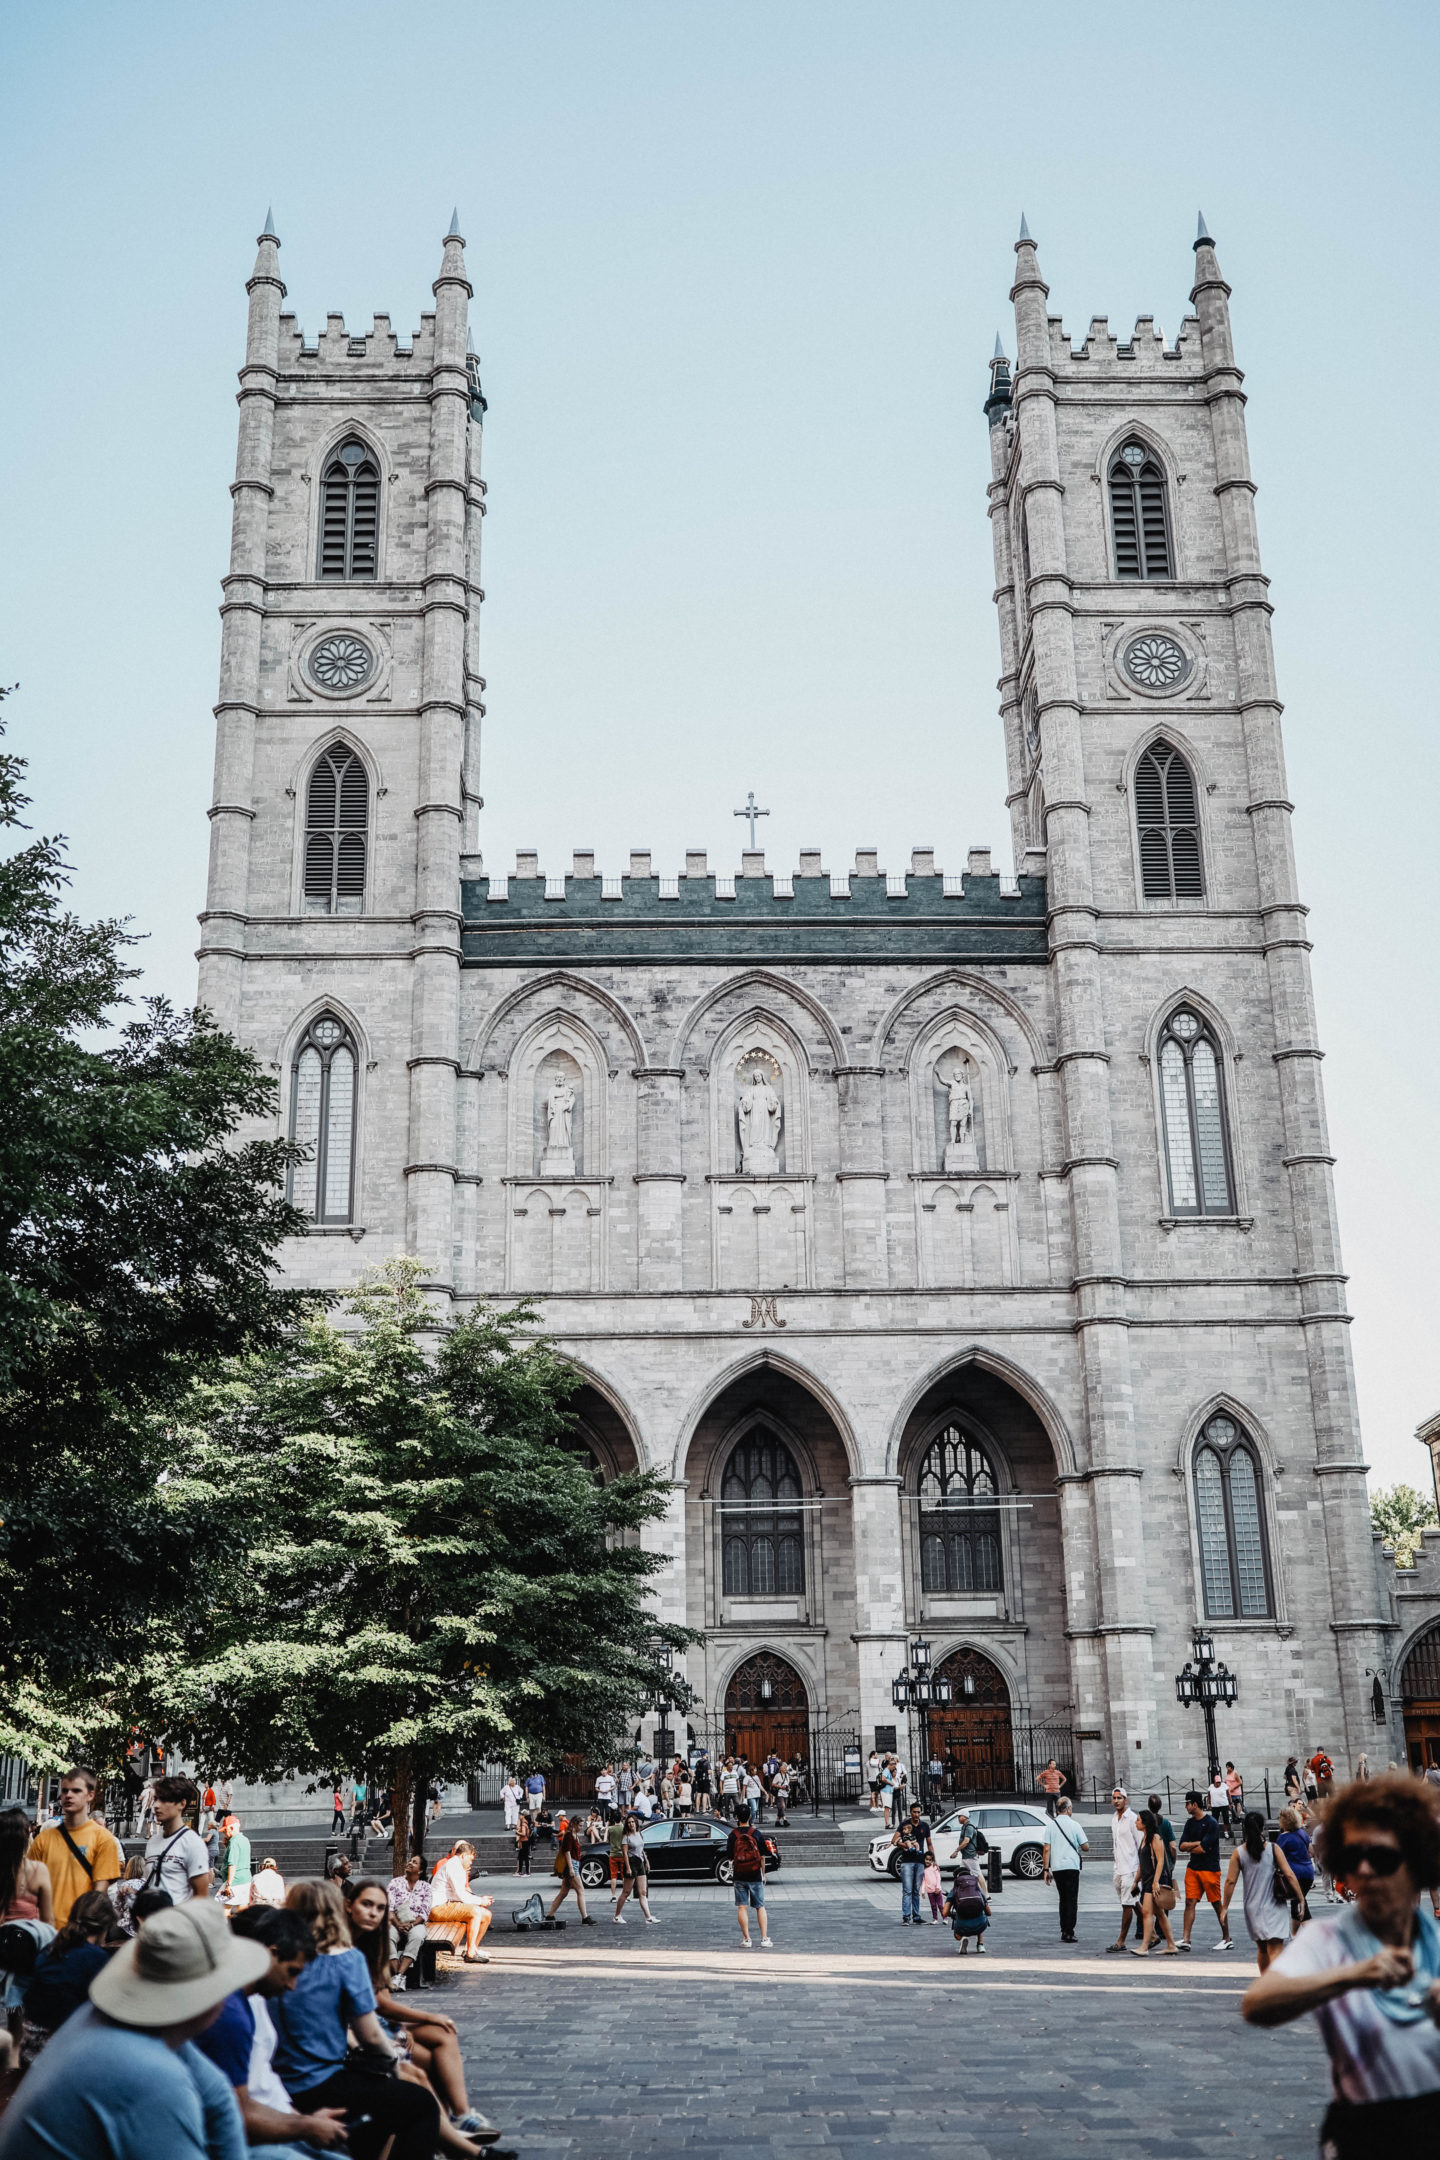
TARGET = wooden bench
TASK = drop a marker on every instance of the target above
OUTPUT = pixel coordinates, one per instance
(439, 1935)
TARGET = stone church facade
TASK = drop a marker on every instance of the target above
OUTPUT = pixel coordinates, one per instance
(962, 1248)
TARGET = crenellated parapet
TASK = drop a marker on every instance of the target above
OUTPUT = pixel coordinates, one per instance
(376, 350)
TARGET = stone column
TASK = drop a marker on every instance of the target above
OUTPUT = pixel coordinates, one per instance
(232, 811)
(1357, 1602)
(862, 1175)
(875, 1504)
(660, 1177)
(1124, 1633)
(435, 997)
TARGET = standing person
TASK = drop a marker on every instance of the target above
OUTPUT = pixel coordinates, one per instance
(637, 1874)
(1155, 1881)
(1200, 1844)
(1371, 1974)
(747, 1857)
(701, 1779)
(454, 1899)
(1234, 1791)
(625, 1786)
(123, 2079)
(1125, 1847)
(753, 1792)
(1324, 1771)
(1052, 1782)
(1294, 1790)
(176, 1860)
(729, 1788)
(337, 1810)
(684, 1793)
(567, 1867)
(534, 1793)
(1167, 1828)
(872, 1775)
(615, 1840)
(1219, 1800)
(887, 1789)
(967, 1848)
(410, 1899)
(780, 1790)
(606, 1791)
(1269, 1886)
(1362, 1768)
(1065, 1842)
(1295, 1844)
(235, 1889)
(77, 1849)
(512, 1796)
(933, 1890)
(667, 1794)
(914, 1845)
(524, 1839)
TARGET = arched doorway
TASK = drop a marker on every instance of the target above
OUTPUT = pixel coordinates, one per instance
(1420, 1700)
(767, 1710)
(974, 1738)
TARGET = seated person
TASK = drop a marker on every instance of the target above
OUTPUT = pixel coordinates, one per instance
(60, 1982)
(454, 1899)
(432, 2041)
(241, 2042)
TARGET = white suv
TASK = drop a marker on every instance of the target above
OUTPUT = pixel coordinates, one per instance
(1018, 1832)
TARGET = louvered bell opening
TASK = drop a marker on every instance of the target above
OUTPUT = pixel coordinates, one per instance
(350, 874)
(1152, 518)
(320, 802)
(1122, 518)
(1155, 866)
(1185, 854)
(365, 526)
(1149, 792)
(354, 795)
(334, 506)
(319, 872)
(1180, 792)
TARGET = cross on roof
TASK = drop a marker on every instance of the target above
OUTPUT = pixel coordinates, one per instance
(751, 813)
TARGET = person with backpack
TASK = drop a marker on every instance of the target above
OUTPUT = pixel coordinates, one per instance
(176, 1859)
(968, 1910)
(1065, 1841)
(747, 1856)
(567, 1867)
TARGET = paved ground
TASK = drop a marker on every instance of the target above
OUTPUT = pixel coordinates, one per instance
(854, 2035)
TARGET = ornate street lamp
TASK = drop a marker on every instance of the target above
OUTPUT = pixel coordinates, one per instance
(1203, 1681)
(916, 1687)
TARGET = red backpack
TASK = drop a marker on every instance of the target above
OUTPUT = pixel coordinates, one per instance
(749, 1854)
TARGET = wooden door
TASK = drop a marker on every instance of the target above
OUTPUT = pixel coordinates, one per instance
(975, 1737)
(767, 1708)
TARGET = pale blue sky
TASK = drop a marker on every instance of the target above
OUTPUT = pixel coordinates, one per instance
(737, 274)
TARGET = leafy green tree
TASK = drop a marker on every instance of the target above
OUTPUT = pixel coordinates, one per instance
(1400, 1513)
(137, 1236)
(419, 1575)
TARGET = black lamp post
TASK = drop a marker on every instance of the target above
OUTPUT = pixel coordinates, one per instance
(921, 1690)
(1205, 1682)
(662, 1704)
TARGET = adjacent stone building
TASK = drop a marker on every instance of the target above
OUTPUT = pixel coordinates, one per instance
(964, 1249)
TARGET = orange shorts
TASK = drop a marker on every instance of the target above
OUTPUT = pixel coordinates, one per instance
(1200, 1885)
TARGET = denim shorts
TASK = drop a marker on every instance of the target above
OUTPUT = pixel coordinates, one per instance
(750, 1893)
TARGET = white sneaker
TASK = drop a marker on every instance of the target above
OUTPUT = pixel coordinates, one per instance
(765, 1943)
(397, 1985)
(1224, 1944)
(650, 1920)
(619, 1919)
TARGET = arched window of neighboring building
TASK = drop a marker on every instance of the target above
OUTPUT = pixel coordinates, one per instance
(337, 815)
(959, 1535)
(763, 1533)
(1140, 515)
(1234, 1563)
(350, 513)
(1192, 1105)
(322, 1121)
(1168, 819)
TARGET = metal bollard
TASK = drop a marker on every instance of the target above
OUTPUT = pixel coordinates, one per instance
(993, 1871)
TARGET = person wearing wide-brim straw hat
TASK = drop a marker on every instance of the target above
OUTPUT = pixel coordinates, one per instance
(119, 2079)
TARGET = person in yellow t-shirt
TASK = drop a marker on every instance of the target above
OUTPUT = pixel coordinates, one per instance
(78, 1850)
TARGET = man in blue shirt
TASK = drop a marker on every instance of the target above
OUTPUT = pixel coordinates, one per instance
(122, 2079)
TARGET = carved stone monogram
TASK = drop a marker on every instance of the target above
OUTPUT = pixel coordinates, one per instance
(763, 1314)
(758, 1115)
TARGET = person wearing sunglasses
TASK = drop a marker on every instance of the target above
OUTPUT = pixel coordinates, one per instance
(1371, 1975)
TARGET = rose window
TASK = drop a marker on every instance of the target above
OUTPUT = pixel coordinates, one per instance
(1156, 662)
(342, 662)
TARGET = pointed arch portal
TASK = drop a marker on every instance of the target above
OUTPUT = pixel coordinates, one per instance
(767, 1710)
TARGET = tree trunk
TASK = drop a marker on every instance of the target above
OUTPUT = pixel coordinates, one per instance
(400, 1812)
(422, 1817)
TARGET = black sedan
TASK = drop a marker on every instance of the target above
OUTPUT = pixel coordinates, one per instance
(689, 1849)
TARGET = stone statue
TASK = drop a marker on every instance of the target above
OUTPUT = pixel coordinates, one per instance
(960, 1149)
(558, 1159)
(759, 1113)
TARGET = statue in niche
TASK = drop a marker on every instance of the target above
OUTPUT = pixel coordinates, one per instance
(558, 1158)
(758, 1113)
(960, 1152)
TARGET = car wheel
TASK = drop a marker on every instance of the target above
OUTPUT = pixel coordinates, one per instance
(1028, 1861)
(593, 1873)
(725, 1871)
(892, 1867)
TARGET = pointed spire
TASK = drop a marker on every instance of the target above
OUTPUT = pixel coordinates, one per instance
(269, 232)
(997, 404)
(454, 232)
(1202, 230)
(1024, 228)
(999, 352)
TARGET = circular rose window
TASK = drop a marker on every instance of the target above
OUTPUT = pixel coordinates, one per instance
(1155, 662)
(342, 662)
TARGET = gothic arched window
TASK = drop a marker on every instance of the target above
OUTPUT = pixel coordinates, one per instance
(763, 1536)
(1192, 1106)
(350, 513)
(1234, 1563)
(959, 1535)
(1140, 515)
(1168, 820)
(322, 1121)
(337, 815)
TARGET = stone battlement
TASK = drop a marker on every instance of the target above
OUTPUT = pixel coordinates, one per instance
(378, 346)
(1146, 351)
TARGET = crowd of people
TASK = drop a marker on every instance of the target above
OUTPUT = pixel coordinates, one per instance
(653, 1791)
(184, 2004)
